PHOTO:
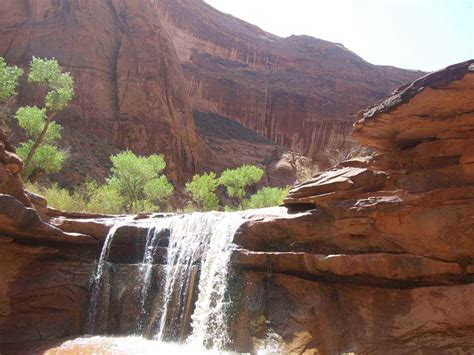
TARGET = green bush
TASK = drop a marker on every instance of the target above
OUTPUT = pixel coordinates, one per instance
(104, 200)
(267, 197)
(58, 198)
(203, 191)
(9, 77)
(238, 180)
(139, 181)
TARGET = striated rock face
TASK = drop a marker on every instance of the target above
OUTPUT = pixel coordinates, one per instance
(129, 84)
(376, 254)
(299, 92)
(237, 145)
(142, 68)
(43, 290)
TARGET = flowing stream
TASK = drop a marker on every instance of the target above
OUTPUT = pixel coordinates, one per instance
(192, 307)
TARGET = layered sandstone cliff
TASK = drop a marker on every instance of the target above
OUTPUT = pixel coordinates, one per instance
(299, 92)
(143, 68)
(128, 81)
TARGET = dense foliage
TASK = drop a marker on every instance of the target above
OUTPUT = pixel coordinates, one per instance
(139, 181)
(47, 156)
(9, 77)
(238, 180)
(267, 197)
(203, 191)
(138, 184)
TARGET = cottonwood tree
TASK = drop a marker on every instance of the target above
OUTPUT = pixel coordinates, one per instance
(9, 77)
(237, 181)
(40, 152)
(203, 191)
(140, 181)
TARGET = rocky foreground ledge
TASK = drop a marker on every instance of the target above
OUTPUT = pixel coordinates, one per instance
(375, 255)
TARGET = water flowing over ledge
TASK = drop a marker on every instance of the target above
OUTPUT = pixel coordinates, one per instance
(191, 303)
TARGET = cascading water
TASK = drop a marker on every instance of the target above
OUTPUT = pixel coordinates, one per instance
(209, 318)
(146, 269)
(198, 253)
(97, 280)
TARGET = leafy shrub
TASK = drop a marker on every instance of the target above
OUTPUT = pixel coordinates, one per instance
(104, 200)
(9, 77)
(58, 198)
(238, 180)
(203, 191)
(139, 181)
(267, 197)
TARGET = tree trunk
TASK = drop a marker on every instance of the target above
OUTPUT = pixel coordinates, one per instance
(37, 144)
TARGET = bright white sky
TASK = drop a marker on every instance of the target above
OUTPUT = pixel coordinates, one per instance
(412, 34)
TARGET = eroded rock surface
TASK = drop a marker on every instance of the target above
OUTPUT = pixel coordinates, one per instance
(44, 271)
(299, 92)
(141, 68)
(375, 255)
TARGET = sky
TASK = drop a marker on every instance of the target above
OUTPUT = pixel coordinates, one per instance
(412, 34)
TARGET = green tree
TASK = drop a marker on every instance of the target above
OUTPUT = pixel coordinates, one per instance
(104, 199)
(9, 77)
(40, 152)
(139, 181)
(203, 191)
(267, 197)
(238, 180)
(48, 157)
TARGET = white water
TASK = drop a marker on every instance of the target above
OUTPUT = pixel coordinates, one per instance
(207, 236)
(97, 280)
(203, 239)
(146, 269)
(209, 318)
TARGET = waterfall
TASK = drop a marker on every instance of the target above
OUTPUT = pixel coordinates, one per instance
(209, 321)
(192, 304)
(146, 269)
(98, 282)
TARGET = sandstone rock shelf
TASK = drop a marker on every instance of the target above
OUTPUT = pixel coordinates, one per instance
(376, 254)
